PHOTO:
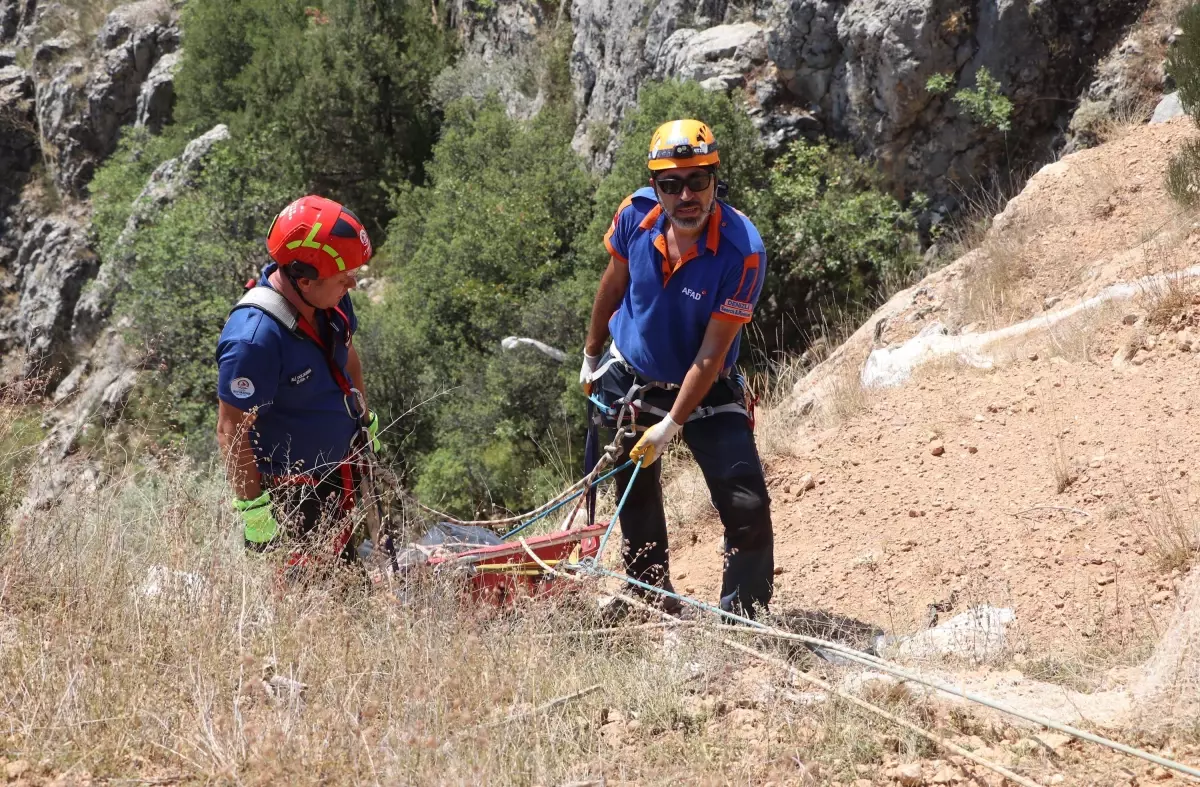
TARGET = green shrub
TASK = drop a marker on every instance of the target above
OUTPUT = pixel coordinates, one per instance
(191, 263)
(121, 179)
(940, 83)
(986, 104)
(833, 236)
(1183, 59)
(1183, 64)
(1183, 175)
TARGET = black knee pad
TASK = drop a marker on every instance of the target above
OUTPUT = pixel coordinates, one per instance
(745, 510)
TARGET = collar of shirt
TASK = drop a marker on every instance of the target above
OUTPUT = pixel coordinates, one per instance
(656, 222)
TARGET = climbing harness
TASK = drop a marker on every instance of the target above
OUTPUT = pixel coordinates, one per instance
(637, 405)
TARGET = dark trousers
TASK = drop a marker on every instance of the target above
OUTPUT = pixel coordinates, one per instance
(723, 446)
(310, 515)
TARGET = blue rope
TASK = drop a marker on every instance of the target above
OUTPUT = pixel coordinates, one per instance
(617, 514)
(566, 500)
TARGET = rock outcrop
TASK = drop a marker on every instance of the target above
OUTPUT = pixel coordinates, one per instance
(63, 113)
(18, 131)
(52, 265)
(84, 100)
(502, 52)
(855, 71)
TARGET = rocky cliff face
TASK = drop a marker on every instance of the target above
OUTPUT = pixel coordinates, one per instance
(68, 84)
(855, 71)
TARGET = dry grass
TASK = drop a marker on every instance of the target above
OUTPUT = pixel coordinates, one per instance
(138, 640)
(843, 396)
(1166, 519)
(1166, 296)
(990, 294)
(99, 673)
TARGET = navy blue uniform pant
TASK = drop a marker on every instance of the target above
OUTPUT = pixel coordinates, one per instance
(723, 446)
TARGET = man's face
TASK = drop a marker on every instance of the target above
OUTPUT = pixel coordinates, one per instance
(695, 194)
(327, 293)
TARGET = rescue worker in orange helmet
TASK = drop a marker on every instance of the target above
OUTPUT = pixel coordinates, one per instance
(290, 385)
(684, 275)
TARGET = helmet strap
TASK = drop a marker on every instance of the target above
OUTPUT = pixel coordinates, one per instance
(292, 280)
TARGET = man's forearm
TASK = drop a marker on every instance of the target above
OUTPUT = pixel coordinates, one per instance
(696, 385)
(233, 438)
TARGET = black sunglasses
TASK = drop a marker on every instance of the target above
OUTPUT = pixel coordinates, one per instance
(696, 182)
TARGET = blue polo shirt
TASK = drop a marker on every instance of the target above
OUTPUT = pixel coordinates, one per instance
(660, 324)
(303, 425)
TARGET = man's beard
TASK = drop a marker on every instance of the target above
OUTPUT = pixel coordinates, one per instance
(690, 223)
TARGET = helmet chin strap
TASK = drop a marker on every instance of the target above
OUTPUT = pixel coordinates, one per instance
(287, 274)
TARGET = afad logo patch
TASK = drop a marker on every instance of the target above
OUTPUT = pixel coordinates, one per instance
(242, 387)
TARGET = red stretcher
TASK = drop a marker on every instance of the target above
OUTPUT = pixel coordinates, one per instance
(503, 573)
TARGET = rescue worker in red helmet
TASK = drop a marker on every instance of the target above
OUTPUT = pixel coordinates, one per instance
(293, 416)
(684, 275)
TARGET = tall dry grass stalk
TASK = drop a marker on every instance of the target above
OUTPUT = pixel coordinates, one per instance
(135, 630)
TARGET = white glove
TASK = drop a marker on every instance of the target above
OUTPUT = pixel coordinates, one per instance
(590, 362)
(647, 450)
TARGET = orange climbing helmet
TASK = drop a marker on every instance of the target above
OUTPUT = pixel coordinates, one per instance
(683, 143)
(315, 238)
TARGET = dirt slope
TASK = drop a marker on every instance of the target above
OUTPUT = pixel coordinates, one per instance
(1055, 465)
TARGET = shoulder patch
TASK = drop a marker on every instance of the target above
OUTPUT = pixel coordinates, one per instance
(241, 387)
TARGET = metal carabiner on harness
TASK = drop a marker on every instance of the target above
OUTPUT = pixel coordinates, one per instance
(360, 404)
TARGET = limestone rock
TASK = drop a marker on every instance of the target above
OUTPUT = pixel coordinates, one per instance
(719, 58)
(83, 101)
(165, 184)
(52, 265)
(853, 70)
(1169, 108)
(18, 132)
(156, 102)
(499, 45)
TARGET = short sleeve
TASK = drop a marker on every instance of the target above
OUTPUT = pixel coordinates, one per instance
(624, 222)
(740, 289)
(247, 373)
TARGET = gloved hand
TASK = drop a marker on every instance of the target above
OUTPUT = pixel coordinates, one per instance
(654, 441)
(373, 430)
(590, 364)
(257, 520)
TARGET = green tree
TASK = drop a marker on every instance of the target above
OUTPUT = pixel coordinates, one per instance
(342, 86)
(481, 253)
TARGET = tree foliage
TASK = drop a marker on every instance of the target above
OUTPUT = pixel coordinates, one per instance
(481, 253)
(833, 235)
(1183, 64)
(342, 86)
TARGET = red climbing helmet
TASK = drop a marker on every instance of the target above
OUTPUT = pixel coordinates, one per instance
(316, 238)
